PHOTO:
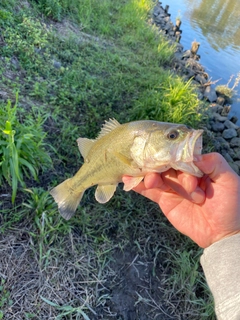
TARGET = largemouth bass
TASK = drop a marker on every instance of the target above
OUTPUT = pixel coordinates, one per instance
(133, 149)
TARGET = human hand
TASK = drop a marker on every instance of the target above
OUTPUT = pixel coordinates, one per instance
(206, 209)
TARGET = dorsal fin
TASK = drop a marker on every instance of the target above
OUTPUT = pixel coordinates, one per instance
(84, 145)
(108, 126)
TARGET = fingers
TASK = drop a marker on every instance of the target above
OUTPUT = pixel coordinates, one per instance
(184, 185)
(154, 180)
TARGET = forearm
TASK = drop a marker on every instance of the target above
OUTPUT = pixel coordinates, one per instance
(221, 265)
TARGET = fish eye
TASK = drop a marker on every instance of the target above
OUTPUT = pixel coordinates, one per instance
(172, 135)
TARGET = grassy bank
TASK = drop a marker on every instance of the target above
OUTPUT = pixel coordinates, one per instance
(66, 66)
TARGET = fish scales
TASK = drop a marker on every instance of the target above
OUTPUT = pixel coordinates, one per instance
(133, 149)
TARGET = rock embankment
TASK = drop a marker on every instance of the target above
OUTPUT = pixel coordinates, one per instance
(222, 130)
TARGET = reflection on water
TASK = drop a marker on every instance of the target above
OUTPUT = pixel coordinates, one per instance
(216, 25)
(218, 20)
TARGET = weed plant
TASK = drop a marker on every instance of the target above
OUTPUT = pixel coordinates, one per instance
(22, 151)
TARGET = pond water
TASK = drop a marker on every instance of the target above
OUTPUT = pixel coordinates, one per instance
(215, 24)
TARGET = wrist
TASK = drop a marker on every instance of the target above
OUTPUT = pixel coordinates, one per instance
(224, 236)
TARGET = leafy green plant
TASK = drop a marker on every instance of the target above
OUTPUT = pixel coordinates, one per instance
(22, 151)
(171, 101)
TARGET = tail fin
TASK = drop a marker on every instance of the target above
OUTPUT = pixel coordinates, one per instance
(66, 198)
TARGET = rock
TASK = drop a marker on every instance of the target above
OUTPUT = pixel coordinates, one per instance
(234, 119)
(187, 54)
(221, 144)
(227, 156)
(156, 11)
(15, 63)
(200, 78)
(234, 166)
(238, 132)
(199, 94)
(210, 94)
(237, 163)
(232, 153)
(3, 95)
(57, 64)
(179, 47)
(228, 124)
(216, 108)
(237, 153)
(159, 18)
(235, 142)
(217, 126)
(217, 117)
(229, 133)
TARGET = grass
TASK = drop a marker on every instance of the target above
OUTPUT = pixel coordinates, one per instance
(71, 67)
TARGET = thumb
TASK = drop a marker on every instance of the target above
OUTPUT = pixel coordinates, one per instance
(214, 165)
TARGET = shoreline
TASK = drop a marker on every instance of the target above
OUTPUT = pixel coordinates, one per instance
(222, 129)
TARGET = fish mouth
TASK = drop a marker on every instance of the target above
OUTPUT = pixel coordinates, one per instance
(187, 150)
(195, 143)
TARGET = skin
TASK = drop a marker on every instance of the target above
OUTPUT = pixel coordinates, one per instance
(205, 209)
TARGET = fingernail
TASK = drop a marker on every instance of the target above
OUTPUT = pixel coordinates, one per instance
(198, 196)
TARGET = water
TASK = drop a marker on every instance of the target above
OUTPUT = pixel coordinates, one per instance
(216, 25)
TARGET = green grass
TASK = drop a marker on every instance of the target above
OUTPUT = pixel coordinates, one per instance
(72, 65)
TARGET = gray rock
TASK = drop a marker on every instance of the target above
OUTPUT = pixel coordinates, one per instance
(210, 94)
(221, 144)
(187, 54)
(237, 163)
(16, 63)
(216, 108)
(167, 19)
(201, 79)
(57, 64)
(235, 142)
(238, 132)
(156, 11)
(3, 95)
(159, 18)
(178, 56)
(232, 153)
(234, 166)
(217, 117)
(229, 133)
(229, 124)
(217, 126)
(234, 119)
(179, 47)
(237, 153)
(227, 156)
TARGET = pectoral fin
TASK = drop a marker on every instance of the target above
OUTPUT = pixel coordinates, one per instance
(131, 182)
(104, 193)
(123, 158)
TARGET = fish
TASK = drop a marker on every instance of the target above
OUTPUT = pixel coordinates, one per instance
(133, 149)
